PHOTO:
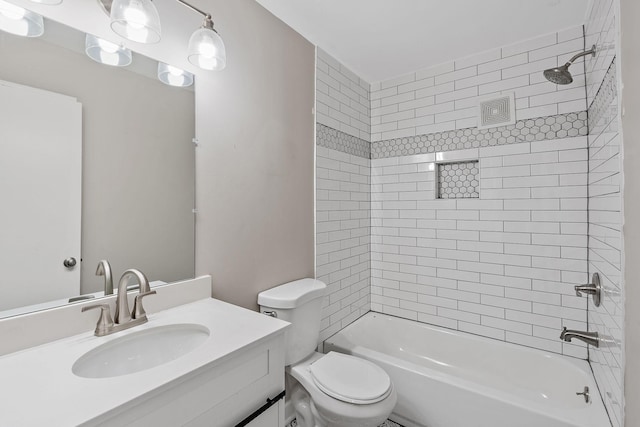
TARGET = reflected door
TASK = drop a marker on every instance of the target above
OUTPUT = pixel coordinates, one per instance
(40, 195)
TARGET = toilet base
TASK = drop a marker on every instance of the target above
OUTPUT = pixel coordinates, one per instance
(388, 423)
(309, 415)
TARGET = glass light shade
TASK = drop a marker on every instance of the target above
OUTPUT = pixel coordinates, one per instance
(173, 76)
(206, 50)
(52, 2)
(19, 21)
(106, 52)
(136, 20)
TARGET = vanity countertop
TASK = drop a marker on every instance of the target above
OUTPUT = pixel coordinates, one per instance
(39, 387)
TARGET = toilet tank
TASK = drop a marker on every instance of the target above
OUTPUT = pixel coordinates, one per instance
(300, 303)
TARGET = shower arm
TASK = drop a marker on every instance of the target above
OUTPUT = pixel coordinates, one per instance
(591, 51)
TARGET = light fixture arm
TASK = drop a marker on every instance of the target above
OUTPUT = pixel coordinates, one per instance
(208, 22)
(195, 9)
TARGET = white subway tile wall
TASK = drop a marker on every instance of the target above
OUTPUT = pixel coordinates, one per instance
(342, 229)
(343, 193)
(601, 30)
(605, 219)
(342, 98)
(445, 97)
(502, 266)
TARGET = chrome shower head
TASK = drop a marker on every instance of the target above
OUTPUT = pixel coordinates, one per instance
(561, 75)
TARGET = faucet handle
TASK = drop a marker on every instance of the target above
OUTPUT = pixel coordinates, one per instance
(138, 309)
(105, 322)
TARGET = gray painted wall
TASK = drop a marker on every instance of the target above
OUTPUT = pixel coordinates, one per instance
(138, 176)
(255, 161)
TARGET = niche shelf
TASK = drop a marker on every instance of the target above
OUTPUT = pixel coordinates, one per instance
(459, 180)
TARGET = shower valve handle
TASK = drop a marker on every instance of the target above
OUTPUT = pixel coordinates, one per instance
(594, 289)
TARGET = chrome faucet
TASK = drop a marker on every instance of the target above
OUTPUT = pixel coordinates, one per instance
(123, 318)
(144, 290)
(104, 269)
(590, 338)
(122, 303)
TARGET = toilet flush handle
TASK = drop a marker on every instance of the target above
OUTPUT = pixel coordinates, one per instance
(270, 313)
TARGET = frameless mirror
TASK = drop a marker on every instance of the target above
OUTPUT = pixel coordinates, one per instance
(96, 162)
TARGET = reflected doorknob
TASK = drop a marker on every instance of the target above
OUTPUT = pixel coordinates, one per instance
(69, 262)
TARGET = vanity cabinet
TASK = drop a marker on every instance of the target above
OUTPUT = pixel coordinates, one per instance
(223, 393)
(235, 377)
(274, 416)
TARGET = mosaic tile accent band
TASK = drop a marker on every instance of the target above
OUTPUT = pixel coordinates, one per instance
(458, 180)
(337, 140)
(540, 129)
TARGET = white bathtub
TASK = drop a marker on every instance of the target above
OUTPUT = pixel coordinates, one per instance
(446, 378)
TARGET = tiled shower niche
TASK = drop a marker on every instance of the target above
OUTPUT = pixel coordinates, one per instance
(459, 180)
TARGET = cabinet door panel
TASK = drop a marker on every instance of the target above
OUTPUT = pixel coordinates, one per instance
(217, 396)
(271, 417)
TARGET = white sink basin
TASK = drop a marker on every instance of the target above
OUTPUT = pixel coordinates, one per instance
(141, 350)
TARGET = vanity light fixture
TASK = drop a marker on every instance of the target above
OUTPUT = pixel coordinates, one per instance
(206, 48)
(139, 21)
(174, 76)
(136, 20)
(106, 52)
(19, 21)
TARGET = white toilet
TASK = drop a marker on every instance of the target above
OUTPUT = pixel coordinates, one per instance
(333, 390)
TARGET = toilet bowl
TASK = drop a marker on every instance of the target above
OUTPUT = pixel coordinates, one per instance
(337, 390)
(332, 390)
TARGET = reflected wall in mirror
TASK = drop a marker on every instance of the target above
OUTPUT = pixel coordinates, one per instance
(133, 150)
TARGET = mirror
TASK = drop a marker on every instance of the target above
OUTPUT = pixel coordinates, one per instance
(96, 162)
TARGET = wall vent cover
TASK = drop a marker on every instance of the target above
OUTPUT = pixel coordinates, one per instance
(497, 111)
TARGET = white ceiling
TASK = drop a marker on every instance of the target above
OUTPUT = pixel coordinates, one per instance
(380, 39)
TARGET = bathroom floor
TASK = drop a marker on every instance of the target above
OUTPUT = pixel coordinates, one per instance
(387, 423)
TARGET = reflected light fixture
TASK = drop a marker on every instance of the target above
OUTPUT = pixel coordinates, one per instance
(174, 76)
(19, 21)
(139, 21)
(106, 52)
(51, 2)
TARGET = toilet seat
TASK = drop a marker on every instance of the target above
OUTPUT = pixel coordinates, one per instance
(350, 379)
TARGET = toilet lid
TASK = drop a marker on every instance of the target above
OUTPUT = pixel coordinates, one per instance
(350, 379)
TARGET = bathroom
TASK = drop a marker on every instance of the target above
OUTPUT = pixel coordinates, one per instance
(311, 155)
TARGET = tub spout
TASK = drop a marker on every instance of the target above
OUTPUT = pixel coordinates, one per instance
(590, 338)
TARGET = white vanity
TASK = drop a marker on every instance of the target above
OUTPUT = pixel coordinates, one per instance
(201, 363)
